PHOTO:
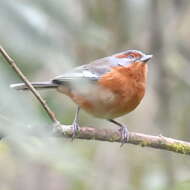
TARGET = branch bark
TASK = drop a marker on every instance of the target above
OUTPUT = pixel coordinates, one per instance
(158, 142)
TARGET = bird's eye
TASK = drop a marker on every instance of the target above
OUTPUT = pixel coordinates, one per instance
(131, 56)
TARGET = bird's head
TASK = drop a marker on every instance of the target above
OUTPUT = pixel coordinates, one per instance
(132, 56)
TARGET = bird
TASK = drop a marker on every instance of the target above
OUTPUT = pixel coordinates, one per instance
(106, 88)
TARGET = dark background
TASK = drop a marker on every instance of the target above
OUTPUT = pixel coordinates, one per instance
(47, 38)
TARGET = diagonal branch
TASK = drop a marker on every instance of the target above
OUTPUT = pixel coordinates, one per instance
(28, 84)
(158, 142)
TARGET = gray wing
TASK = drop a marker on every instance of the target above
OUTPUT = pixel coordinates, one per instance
(92, 71)
(89, 72)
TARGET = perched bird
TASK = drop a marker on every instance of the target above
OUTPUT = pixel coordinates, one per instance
(106, 88)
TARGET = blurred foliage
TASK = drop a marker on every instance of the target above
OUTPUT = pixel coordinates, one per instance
(49, 37)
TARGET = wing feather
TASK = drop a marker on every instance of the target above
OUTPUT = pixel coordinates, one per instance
(91, 72)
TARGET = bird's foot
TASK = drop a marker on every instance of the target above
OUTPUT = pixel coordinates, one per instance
(124, 135)
(75, 129)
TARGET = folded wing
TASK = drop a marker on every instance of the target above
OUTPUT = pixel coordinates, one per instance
(90, 72)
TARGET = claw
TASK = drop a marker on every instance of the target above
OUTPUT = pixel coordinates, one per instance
(123, 130)
(75, 129)
(124, 135)
(75, 125)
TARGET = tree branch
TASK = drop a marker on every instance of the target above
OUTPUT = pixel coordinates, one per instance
(159, 142)
(11, 62)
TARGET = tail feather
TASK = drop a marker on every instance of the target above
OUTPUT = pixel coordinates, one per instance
(40, 85)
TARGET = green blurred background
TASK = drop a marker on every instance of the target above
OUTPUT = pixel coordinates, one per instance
(47, 38)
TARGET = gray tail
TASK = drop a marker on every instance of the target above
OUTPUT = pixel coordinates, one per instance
(39, 85)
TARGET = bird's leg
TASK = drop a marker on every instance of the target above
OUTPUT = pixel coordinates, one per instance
(123, 130)
(75, 125)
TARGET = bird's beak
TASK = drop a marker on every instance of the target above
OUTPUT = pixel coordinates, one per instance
(146, 58)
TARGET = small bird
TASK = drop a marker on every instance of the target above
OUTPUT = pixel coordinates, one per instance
(106, 88)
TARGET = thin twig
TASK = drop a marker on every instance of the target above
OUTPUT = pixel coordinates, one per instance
(28, 84)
